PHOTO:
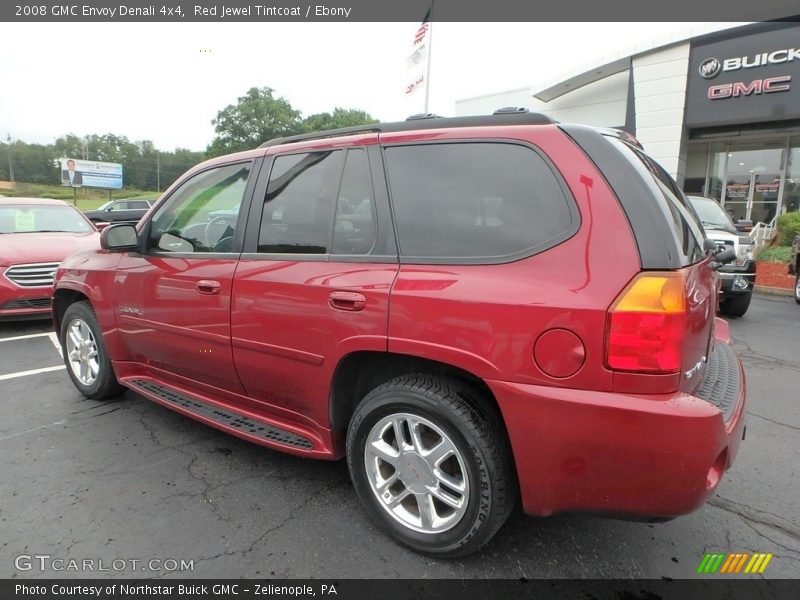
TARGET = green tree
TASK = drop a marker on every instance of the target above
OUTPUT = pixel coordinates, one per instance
(255, 118)
(174, 164)
(33, 163)
(341, 117)
(69, 146)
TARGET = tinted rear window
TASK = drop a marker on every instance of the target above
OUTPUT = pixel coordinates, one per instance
(476, 201)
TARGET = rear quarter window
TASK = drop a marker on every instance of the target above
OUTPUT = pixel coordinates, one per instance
(681, 217)
(483, 202)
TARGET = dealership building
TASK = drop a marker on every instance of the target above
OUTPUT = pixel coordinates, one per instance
(719, 110)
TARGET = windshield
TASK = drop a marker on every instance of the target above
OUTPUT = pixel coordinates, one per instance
(105, 205)
(39, 218)
(712, 215)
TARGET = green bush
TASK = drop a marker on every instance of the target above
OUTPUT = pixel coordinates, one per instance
(788, 227)
(776, 254)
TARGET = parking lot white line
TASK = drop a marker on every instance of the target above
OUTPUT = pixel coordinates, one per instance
(13, 435)
(54, 338)
(31, 372)
(24, 337)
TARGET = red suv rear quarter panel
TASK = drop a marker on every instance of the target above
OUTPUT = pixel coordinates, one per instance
(486, 318)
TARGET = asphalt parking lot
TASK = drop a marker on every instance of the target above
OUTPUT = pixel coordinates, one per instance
(131, 481)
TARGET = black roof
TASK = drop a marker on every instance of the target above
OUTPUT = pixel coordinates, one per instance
(417, 122)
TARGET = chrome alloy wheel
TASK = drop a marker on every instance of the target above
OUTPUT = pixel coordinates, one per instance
(417, 473)
(82, 352)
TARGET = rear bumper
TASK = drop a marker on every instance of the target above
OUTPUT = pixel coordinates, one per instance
(625, 454)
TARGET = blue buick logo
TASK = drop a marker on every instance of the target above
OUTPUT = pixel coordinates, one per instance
(710, 68)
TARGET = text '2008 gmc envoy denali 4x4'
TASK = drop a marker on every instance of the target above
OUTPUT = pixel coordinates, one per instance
(474, 311)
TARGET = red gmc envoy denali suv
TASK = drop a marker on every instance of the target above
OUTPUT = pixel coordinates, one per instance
(475, 311)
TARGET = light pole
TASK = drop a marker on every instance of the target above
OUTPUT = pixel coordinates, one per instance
(10, 158)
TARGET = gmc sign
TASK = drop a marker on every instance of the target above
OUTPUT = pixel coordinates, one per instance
(744, 75)
(758, 86)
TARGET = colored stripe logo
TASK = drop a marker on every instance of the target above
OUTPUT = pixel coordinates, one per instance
(735, 562)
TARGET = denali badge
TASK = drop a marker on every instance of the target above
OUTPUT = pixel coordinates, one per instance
(710, 68)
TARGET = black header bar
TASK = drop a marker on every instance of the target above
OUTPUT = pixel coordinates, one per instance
(394, 10)
(732, 588)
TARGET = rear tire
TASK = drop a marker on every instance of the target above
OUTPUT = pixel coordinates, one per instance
(430, 464)
(736, 306)
(85, 354)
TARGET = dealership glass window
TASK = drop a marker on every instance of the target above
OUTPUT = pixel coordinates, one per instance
(753, 179)
(705, 169)
(791, 186)
(718, 162)
(694, 181)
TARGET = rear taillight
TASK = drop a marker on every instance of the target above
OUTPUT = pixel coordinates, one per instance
(646, 324)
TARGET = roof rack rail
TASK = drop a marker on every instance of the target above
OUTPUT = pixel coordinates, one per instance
(420, 116)
(511, 110)
(625, 136)
(319, 135)
(426, 122)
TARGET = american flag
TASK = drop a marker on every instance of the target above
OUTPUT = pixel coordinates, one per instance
(423, 28)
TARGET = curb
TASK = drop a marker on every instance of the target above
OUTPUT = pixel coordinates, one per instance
(773, 291)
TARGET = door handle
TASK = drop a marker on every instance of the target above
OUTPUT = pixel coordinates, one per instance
(351, 301)
(208, 286)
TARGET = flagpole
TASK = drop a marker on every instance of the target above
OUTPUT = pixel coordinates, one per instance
(430, 59)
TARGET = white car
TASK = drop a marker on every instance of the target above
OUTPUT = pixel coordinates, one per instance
(739, 277)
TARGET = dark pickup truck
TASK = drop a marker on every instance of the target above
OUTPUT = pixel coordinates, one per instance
(118, 211)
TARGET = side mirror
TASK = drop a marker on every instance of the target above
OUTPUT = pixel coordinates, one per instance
(723, 258)
(119, 238)
(709, 245)
(744, 225)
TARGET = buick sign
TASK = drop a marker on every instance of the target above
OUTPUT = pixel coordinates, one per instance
(710, 68)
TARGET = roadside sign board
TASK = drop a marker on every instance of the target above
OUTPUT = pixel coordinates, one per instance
(91, 173)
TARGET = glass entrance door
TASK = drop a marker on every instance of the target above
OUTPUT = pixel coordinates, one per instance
(737, 195)
(764, 197)
(753, 180)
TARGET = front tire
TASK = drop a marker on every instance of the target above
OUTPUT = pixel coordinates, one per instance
(736, 306)
(429, 462)
(85, 354)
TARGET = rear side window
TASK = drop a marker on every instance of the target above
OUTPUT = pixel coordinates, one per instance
(300, 202)
(682, 217)
(355, 227)
(476, 202)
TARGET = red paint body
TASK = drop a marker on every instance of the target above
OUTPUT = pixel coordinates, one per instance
(21, 249)
(583, 437)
